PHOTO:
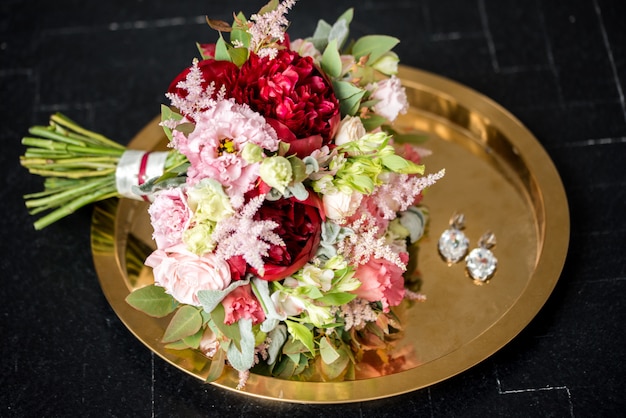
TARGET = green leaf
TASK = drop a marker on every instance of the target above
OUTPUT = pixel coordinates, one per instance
(336, 299)
(186, 321)
(238, 55)
(373, 46)
(269, 6)
(193, 341)
(217, 366)
(331, 60)
(167, 114)
(177, 345)
(238, 34)
(398, 164)
(242, 359)
(327, 351)
(152, 300)
(221, 50)
(301, 333)
(349, 97)
(372, 121)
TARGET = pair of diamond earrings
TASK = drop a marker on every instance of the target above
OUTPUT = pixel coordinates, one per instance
(480, 263)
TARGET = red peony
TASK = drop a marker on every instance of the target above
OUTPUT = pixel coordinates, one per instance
(299, 225)
(294, 97)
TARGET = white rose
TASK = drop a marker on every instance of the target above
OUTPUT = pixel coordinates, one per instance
(350, 129)
(392, 98)
(339, 205)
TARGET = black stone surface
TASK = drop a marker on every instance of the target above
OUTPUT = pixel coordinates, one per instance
(559, 66)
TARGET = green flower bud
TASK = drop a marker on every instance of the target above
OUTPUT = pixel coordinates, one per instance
(276, 172)
(252, 153)
(209, 202)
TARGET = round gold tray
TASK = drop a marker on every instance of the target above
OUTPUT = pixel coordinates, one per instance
(497, 174)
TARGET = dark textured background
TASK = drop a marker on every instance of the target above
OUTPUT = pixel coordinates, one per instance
(558, 65)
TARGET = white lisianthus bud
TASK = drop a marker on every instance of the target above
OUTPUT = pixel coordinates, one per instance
(350, 129)
(339, 205)
(387, 64)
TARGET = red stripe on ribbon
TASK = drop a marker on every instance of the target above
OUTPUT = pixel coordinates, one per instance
(141, 176)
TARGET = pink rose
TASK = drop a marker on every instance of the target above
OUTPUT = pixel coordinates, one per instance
(169, 216)
(241, 303)
(382, 281)
(182, 273)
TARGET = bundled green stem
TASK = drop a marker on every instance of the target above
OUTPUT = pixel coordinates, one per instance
(78, 166)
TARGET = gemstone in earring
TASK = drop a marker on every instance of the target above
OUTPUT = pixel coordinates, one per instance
(453, 243)
(480, 262)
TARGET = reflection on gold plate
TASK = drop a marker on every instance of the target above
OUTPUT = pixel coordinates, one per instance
(497, 174)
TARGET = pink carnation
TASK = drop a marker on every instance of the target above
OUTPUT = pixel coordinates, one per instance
(183, 273)
(214, 147)
(169, 216)
(242, 304)
(392, 98)
(382, 281)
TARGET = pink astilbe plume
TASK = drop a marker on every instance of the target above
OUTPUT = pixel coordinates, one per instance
(401, 192)
(367, 243)
(241, 235)
(197, 97)
(269, 28)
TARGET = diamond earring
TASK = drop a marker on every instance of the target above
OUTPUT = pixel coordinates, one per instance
(453, 243)
(480, 262)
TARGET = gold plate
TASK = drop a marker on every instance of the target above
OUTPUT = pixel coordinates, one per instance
(497, 174)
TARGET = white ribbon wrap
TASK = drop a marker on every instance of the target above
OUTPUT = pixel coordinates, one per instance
(135, 168)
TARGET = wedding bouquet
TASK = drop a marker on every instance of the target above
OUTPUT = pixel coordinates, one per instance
(285, 207)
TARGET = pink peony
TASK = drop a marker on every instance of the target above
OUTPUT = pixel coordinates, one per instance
(214, 147)
(242, 304)
(169, 216)
(182, 273)
(382, 281)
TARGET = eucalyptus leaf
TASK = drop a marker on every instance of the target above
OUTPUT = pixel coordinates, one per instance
(185, 322)
(209, 299)
(277, 336)
(152, 300)
(260, 288)
(242, 359)
(373, 46)
(327, 351)
(336, 368)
